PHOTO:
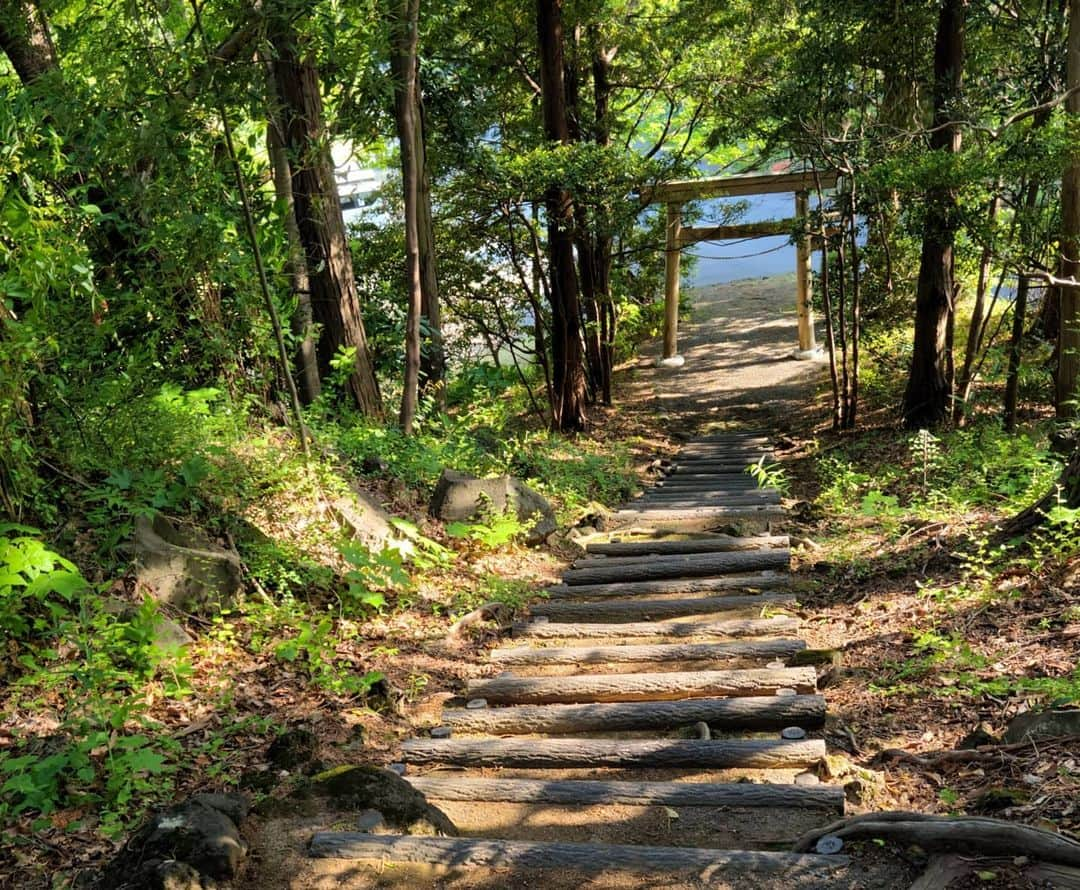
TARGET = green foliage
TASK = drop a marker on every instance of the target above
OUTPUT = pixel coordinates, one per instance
(770, 476)
(495, 530)
(71, 645)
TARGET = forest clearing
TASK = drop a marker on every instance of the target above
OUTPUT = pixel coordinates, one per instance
(401, 484)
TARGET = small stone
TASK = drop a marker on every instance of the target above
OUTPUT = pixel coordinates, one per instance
(807, 779)
(828, 845)
(791, 733)
(475, 704)
(776, 665)
(440, 732)
(398, 768)
(505, 675)
(369, 820)
(787, 691)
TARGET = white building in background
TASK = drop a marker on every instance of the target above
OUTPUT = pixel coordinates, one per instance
(356, 185)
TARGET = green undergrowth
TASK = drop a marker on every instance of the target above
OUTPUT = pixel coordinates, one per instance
(95, 706)
(917, 513)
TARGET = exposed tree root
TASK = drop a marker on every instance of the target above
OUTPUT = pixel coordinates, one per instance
(968, 834)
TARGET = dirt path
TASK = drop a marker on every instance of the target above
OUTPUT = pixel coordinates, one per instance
(740, 370)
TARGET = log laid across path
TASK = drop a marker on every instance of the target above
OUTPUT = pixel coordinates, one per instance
(670, 794)
(565, 753)
(732, 627)
(460, 852)
(657, 652)
(749, 582)
(664, 686)
(748, 713)
(711, 544)
(681, 565)
(657, 609)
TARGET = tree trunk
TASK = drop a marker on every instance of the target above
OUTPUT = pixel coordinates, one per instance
(25, 40)
(433, 357)
(978, 320)
(403, 70)
(1016, 339)
(1068, 352)
(307, 364)
(334, 302)
(568, 372)
(926, 400)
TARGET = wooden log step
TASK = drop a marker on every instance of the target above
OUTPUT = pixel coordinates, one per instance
(682, 565)
(748, 713)
(697, 515)
(750, 581)
(713, 544)
(593, 562)
(703, 499)
(707, 865)
(721, 456)
(618, 611)
(733, 627)
(660, 686)
(734, 480)
(622, 753)
(661, 652)
(699, 467)
(643, 794)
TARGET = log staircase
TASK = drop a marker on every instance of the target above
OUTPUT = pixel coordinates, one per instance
(648, 721)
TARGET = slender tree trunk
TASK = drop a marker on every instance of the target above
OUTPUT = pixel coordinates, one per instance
(433, 357)
(403, 69)
(1068, 351)
(307, 364)
(926, 400)
(978, 321)
(601, 74)
(335, 305)
(1016, 338)
(568, 372)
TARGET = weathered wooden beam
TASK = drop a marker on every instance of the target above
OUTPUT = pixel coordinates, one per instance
(708, 465)
(772, 228)
(672, 256)
(753, 581)
(643, 609)
(645, 794)
(643, 654)
(684, 190)
(697, 517)
(731, 627)
(734, 479)
(749, 713)
(804, 277)
(713, 867)
(683, 565)
(662, 686)
(713, 544)
(703, 498)
(589, 753)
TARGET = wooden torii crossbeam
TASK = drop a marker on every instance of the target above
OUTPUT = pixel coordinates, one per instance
(676, 193)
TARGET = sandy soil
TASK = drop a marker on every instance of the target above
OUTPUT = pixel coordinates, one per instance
(739, 345)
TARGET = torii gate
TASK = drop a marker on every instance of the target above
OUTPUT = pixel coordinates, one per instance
(676, 193)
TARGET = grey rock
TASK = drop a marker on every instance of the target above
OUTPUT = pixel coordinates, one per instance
(190, 846)
(459, 497)
(793, 733)
(1035, 725)
(181, 567)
